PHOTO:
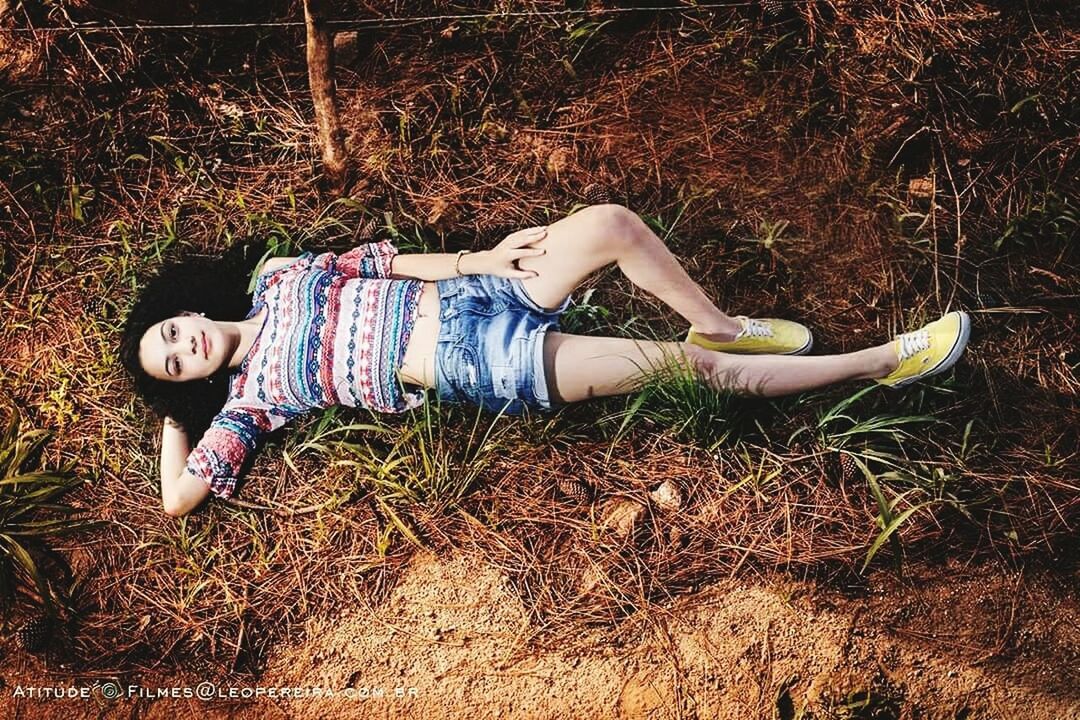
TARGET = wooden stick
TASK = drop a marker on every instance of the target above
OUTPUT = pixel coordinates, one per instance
(320, 62)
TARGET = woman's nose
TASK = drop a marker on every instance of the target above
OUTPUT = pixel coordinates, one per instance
(194, 346)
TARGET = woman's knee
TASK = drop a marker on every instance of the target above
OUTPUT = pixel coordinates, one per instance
(613, 224)
(719, 369)
(701, 361)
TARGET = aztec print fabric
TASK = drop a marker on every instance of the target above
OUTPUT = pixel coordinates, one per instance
(335, 332)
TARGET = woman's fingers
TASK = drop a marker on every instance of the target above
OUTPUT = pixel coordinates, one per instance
(528, 235)
(513, 248)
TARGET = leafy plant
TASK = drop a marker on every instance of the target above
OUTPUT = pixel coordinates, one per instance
(877, 448)
(759, 255)
(768, 233)
(877, 439)
(582, 32)
(583, 315)
(663, 227)
(1050, 221)
(31, 515)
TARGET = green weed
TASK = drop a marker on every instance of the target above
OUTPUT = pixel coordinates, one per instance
(31, 515)
(581, 33)
(880, 438)
(760, 471)
(1050, 221)
(664, 227)
(422, 466)
(878, 702)
(676, 399)
(881, 447)
(584, 316)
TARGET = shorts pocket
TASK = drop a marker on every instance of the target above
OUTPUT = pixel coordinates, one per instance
(463, 369)
(506, 373)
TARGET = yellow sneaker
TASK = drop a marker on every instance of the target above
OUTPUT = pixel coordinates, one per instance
(933, 348)
(766, 336)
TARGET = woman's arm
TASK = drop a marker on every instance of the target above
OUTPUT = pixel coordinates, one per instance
(423, 266)
(274, 263)
(181, 492)
(500, 260)
(436, 266)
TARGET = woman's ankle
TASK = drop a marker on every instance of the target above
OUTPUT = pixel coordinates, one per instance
(722, 329)
(880, 361)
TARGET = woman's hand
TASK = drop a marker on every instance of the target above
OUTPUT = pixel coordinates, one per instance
(502, 259)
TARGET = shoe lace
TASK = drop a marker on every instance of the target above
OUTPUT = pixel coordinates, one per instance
(913, 342)
(755, 328)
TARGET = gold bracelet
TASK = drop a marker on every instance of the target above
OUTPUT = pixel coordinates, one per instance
(457, 262)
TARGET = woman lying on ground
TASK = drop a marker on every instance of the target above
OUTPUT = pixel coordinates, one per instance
(373, 328)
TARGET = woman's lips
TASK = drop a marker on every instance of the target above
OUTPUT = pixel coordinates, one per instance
(205, 346)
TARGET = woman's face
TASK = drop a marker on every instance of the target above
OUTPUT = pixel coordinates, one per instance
(181, 348)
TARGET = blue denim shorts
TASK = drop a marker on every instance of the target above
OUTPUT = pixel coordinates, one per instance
(490, 350)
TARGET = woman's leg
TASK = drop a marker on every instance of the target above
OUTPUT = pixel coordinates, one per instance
(579, 367)
(599, 235)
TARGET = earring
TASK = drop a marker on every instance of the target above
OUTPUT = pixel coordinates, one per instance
(202, 314)
(210, 380)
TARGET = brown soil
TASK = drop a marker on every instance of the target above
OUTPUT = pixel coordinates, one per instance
(455, 642)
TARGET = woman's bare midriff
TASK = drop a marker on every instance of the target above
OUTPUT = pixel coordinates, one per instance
(418, 365)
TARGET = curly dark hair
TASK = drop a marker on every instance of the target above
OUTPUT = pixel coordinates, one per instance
(216, 286)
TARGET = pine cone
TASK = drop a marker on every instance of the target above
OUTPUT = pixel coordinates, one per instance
(597, 194)
(848, 468)
(367, 230)
(34, 635)
(574, 489)
(773, 8)
(100, 309)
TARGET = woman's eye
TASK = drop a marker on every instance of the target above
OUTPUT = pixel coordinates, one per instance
(172, 332)
(176, 367)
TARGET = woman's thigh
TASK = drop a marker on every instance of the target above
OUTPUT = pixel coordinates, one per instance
(579, 367)
(577, 246)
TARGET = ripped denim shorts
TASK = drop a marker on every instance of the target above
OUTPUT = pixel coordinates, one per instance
(490, 350)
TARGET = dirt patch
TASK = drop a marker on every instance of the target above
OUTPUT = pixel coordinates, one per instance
(452, 640)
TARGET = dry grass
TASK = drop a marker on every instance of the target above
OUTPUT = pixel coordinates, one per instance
(883, 149)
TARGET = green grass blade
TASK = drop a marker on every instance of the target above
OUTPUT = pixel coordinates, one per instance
(887, 533)
(400, 524)
(22, 557)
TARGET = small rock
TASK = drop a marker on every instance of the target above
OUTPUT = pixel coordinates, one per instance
(622, 516)
(668, 496)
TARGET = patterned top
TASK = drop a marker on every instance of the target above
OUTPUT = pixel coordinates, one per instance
(335, 331)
